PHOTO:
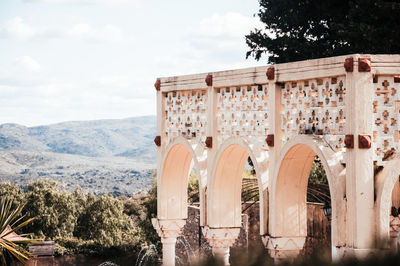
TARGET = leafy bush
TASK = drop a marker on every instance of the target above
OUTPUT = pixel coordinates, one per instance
(317, 173)
(193, 188)
(142, 208)
(84, 223)
(55, 210)
(103, 221)
(12, 192)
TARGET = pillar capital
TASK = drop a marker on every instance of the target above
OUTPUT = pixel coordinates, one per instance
(168, 229)
(221, 237)
(281, 248)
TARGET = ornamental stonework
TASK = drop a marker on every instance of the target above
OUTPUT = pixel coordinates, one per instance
(243, 111)
(386, 126)
(315, 107)
(186, 114)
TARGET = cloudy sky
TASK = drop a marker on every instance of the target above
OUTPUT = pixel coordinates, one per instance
(63, 60)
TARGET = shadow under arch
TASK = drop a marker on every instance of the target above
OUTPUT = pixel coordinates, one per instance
(384, 184)
(225, 183)
(288, 189)
(179, 157)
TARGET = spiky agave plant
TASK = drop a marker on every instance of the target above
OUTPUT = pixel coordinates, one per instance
(11, 244)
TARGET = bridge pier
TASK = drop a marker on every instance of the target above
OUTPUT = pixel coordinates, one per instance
(221, 239)
(283, 248)
(168, 230)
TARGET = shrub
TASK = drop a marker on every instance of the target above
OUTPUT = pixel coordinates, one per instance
(104, 222)
(55, 210)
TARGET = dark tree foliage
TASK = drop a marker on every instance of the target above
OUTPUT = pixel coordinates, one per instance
(250, 162)
(306, 29)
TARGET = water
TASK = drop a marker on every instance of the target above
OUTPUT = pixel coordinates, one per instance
(148, 255)
(189, 252)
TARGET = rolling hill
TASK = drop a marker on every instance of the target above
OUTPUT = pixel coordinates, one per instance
(101, 156)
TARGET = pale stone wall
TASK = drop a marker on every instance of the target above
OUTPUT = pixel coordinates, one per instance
(344, 109)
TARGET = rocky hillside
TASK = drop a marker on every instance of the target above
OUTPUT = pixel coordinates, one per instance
(100, 156)
(131, 137)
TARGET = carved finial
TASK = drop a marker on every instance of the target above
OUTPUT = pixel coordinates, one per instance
(364, 141)
(209, 80)
(157, 141)
(157, 85)
(209, 142)
(349, 64)
(364, 64)
(270, 140)
(271, 73)
(349, 141)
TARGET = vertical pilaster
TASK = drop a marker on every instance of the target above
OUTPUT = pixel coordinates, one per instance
(160, 139)
(275, 107)
(212, 134)
(359, 160)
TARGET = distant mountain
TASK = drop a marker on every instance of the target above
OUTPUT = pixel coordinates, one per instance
(118, 175)
(131, 137)
(101, 156)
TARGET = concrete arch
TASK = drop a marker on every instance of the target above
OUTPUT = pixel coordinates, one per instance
(384, 184)
(179, 157)
(288, 188)
(225, 182)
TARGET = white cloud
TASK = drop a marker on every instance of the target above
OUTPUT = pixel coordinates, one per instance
(57, 101)
(217, 42)
(27, 63)
(230, 24)
(16, 28)
(86, 32)
(82, 2)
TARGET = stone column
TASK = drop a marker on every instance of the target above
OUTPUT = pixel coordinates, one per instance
(168, 230)
(359, 158)
(221, 239)
(283, 248)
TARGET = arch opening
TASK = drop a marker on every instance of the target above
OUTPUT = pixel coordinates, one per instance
(395, 216)
(301, 190)
(387, 187)
(173, 194)
(231, 173)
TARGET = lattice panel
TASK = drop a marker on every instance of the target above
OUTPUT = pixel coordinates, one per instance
(186, 114)
(315, 107)
(243, 111)
(386, 134)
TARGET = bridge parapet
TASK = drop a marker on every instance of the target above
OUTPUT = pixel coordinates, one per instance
(386, 124)
(315, 106)
(350, 105)
(312, 101)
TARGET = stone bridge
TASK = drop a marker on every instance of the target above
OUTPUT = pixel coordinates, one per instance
(345, 110)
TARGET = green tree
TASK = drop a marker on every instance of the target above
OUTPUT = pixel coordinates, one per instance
(317, 173)
(193, 187)
(103, 221)
(306, 29)
(14, 193)
(55, 210)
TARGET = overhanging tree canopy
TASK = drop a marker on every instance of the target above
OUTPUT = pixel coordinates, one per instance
(306, 29)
